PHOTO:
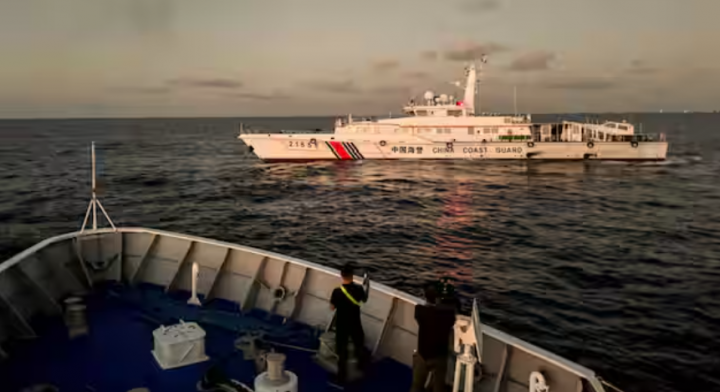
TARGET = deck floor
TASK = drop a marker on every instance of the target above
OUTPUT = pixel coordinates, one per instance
(116, 355)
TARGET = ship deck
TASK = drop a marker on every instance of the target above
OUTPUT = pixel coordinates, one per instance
(116, 354)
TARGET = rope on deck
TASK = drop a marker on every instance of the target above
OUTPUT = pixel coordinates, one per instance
(610, 385)
(289, 346)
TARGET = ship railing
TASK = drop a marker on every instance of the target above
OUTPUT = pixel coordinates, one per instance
(469, 338)
(244, 130)
(299, 131)
(643, 137)
(247, 131)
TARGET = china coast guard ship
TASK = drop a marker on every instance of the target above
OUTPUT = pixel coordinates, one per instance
(441, 127)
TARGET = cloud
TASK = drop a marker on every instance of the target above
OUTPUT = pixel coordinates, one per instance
(335, 87)
(580, 84)
(276, 96)
(534, 61)
(150, 17)
(430, 55)
(217, 83)
(385, 65)
(153, 22)
(174, 85)
(639, 67)
(479, 6)
(473, 51)
(142, 90)
(391, 90)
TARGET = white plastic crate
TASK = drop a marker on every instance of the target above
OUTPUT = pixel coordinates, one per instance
(179, 345)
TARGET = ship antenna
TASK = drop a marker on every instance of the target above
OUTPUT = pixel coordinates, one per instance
(94, 201)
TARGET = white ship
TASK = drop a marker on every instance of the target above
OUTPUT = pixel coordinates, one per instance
(118, 308)
(442, 127)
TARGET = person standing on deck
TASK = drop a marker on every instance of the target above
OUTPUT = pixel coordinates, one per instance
(346, 301)
(435, 324)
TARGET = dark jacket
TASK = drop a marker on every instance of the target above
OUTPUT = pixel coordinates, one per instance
(435, 325)
(347, 314)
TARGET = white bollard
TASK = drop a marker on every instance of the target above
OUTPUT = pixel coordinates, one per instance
(194, 298)
(276, 378)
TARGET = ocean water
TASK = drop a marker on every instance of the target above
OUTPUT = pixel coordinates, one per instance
(613, 265)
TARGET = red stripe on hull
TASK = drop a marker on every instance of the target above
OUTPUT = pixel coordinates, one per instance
(344, 155)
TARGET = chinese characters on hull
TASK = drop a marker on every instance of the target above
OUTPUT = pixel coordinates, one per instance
(407, 149)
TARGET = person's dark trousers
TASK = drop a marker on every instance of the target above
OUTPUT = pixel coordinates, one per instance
(342, 336)
(422, 367)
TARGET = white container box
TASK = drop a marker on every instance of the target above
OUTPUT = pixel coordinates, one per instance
(179, 345)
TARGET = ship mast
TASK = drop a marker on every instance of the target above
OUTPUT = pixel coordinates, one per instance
(470, 90)
(471, 85)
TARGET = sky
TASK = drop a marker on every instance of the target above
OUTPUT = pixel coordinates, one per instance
(180, 58)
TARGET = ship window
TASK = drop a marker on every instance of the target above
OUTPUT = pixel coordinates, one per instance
(601, 135)
(454, 113)
(470, 131)
(610, 125)
(494, 130)
(488, 130)
(623, 127)
(421, 112)
(439, 130)
(447, 130)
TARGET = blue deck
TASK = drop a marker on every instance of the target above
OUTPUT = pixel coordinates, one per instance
(116, 355)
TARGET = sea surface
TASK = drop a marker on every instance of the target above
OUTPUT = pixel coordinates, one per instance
(613, 265)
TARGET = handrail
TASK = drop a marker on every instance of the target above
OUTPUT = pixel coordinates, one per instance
(68, 236)
(561, 362)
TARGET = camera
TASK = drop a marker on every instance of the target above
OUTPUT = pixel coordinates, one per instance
(446, 292)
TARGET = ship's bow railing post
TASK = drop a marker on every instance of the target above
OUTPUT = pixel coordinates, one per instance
(468, 350)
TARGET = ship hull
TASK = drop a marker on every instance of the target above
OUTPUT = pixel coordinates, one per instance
(281, 148)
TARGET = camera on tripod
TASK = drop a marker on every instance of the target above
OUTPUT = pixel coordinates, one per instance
(446, 292)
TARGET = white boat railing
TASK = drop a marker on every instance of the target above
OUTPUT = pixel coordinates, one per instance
(475, 343)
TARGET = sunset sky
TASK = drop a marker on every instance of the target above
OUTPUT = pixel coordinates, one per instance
(157, 58)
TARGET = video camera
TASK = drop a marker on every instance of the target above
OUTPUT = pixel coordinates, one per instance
(446, 291)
